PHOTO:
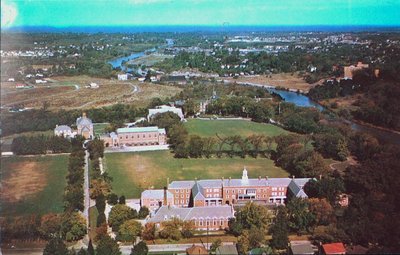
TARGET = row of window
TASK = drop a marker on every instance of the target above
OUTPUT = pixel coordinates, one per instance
(209, 222)
(138, 136)
(181, 201)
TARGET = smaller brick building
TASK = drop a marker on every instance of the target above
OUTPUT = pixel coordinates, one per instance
(154, 198)
(136, 136)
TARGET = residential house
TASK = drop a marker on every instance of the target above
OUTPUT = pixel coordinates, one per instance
(196, 250)
(333, 249)
(301, 248)
(226, 250)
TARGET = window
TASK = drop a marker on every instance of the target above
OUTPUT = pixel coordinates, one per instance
(221, 222)
(233, 191)
(187, 195)
(216, 190)
(144, 135)
(182, 196)
(274, 188)
(239, 191)
(137, 136)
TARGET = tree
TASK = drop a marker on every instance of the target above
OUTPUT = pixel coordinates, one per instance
(121, 200)
(50, 225)
(171, 229)
(256, 141)
(215, 244)
(253, 216)
(280, 229)
(188, 229)
(112, 199)
(323, 211)
(243, 244)
(140, 249)
(300, 217)
(119, 214)
(328, 188)
(149, 231)
(195, 146)
(55, 246)
(208, 146)
(107, 246)
(90, 248)
(143, 212)
(129, 230)
(73, 226)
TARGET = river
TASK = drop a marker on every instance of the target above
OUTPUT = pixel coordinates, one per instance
(383, 136)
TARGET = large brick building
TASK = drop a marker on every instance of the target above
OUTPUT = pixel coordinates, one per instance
(229, 191)
(136, 136)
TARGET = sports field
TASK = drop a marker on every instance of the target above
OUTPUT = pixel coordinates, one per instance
(231, 127)
(33, 185)
(134, 172)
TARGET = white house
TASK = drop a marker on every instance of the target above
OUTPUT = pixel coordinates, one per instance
(165, 108)
(123, 77)
(65, 131)
(40, 81)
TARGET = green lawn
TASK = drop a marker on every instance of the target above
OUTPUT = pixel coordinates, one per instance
(33, 185)
(98, 128)
(231, 127)
(134, 172)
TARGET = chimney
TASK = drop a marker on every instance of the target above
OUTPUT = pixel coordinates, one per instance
(259, 178)
(266, 177)
(293, 177)
(165, 196)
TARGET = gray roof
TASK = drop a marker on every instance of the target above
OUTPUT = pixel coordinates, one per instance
(197, 191)
(227, 250)
(217, 183)
(303, 247)
(140, 130)
(296, 187)
(155, 194)
(166, 213)
(62, 128)
(83, 121)
(181, 185)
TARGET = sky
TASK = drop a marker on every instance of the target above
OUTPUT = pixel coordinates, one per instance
(70, 13)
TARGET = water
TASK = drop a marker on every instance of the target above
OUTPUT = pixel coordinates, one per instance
(117, 62)
(383, 136)
(296, 98)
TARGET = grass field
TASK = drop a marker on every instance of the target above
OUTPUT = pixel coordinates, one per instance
(33, 185)
(231, 127)
(134, 172)
(69, 92)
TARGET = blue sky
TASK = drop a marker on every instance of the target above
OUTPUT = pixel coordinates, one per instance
(64, 13)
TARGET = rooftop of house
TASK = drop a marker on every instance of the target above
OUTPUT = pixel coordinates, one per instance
(83, 121)
(155, 194)
(334, 248)
(301, 247)
(140, 130)
(227, 250)
(62, 128)
(165, 213)
(196, 250)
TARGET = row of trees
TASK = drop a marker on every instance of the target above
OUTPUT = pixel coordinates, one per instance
(40, 144)
(43, 119)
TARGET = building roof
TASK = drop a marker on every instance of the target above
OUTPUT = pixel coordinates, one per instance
(301, 247)
(296, 187)
(155, 194)
(166, 213)
(165, 108)
(334, 248)
(63, 128)
(227, 250)
(139, 130)
(83, 121)
(196, 250)
(217, 183)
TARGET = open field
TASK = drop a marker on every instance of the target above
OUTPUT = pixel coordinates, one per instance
(231, 127)
(70, 92)
(33, 184)
(285, 80)
(134, 172)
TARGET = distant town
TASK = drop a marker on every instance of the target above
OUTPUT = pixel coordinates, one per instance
(221, 142)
